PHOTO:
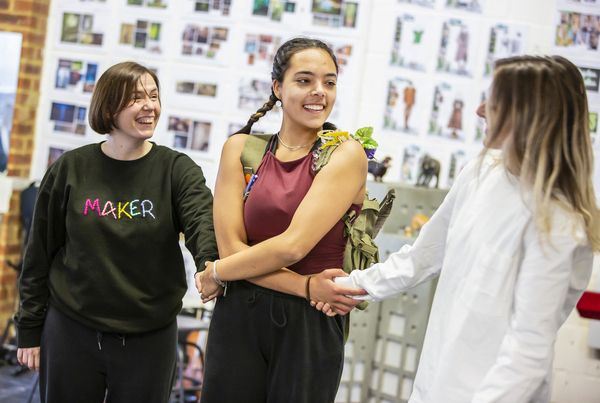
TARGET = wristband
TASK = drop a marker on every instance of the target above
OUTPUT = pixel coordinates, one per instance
(308, 288)
(221, 283)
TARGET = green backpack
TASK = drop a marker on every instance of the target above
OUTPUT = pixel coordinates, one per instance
(361, 251)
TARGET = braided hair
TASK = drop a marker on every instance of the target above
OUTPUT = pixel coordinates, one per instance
(281, 63)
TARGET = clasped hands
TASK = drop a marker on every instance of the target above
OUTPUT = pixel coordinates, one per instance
(325, 294)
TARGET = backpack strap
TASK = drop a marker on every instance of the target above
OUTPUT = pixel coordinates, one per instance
(253, 152)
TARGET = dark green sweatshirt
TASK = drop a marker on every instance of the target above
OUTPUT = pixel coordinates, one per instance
(104, 244)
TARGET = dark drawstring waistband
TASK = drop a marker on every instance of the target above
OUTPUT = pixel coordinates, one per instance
(120, 336)
(256, 295)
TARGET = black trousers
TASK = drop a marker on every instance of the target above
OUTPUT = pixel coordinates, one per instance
(80, 365)
(267, 346)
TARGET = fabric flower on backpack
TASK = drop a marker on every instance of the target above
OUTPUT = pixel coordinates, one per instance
(363, 136)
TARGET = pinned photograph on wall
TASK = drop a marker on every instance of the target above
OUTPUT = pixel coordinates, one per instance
(78, 76)
(68, 118)
(458, 47)
(505, 40)
(473, 6)
(577, 32)
(190, 134)
(141, 37)
(80, 29)
(422, 3)
(211, 8)
(404, 105)
(252, 93)
(206, 43)
(156, 4)
(346, 52)
(450, 99)
(590, 71)
(260, 49)
(195, 89)
(459, 158)
(53, 154)
(337, 15)
(480, 123)
(412, 41)
(279, 12)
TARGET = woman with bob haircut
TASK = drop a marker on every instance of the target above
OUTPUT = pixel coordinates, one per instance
(103, 275)
(512, 243)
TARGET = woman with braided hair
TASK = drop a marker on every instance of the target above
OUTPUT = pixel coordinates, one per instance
(264, 337)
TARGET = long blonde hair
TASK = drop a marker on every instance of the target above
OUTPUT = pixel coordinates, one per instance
(542, 101)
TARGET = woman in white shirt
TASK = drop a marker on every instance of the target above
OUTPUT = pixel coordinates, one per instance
(512, 243)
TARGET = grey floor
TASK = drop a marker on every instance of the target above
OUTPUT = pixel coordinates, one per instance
(15, 389)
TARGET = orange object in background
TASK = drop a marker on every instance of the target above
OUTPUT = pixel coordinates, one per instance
(417, 222)
(589, 305)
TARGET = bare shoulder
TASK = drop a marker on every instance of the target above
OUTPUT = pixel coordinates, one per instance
(350, 151)
(235, 144)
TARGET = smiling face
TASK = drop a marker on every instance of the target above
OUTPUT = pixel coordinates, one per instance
(138, 120)
(308, 90)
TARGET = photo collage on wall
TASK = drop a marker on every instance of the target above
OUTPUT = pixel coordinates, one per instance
(505, 40)
(278, 11)
(190, 134)
(158, 4)
(451, 100)
(79, 29)
(195, 89)
(141, 36)
(474, 6)
(334, 13)
(212, 8)
(458, 48)
(578, 32)
(53, 154)
(405, 104)
(77, 76)
(205, 42)
(69, 118)
(260, 49)
(413, 41)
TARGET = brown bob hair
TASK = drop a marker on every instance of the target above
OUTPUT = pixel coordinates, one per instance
(113, 92)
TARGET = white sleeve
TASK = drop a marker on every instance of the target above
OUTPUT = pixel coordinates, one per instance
(412, 264)
(550, 281)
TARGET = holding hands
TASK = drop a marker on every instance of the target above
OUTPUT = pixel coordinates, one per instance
(325, 295)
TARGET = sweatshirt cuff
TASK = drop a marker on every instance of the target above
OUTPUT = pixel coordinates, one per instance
(28, 338)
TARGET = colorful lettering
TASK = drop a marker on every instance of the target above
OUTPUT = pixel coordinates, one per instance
(111, 211)
(131, 208)
(122, 210)
(144, 211)
(89, 204)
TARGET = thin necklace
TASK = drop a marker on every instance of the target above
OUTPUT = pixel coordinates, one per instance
(293, 147)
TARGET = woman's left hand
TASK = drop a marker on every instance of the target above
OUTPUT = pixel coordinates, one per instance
(206, 284)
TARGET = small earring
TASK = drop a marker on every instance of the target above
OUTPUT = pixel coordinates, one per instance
(278, 103)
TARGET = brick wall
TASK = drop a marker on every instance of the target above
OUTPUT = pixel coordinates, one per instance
(29, 18)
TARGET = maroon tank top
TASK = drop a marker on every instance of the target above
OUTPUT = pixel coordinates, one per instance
(275, 196)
